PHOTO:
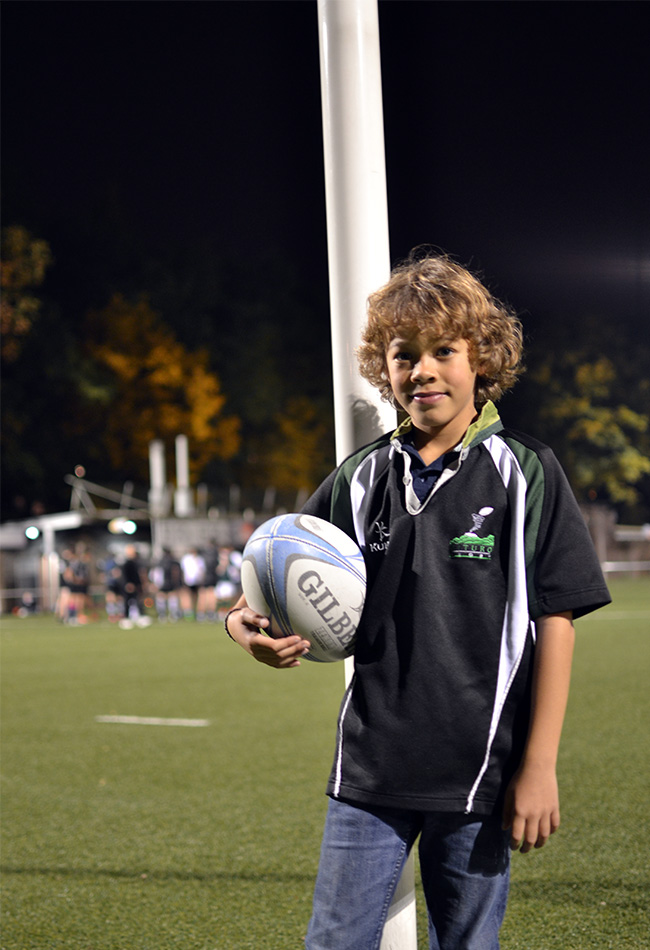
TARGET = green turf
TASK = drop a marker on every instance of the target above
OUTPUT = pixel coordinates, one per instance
(124, 837)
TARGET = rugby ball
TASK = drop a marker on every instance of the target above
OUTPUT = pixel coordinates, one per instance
(309, 578)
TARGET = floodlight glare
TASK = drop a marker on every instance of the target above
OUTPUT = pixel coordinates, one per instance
(122, 526)
(32, 532)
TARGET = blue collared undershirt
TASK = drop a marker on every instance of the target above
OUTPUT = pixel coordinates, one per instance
(425, 476)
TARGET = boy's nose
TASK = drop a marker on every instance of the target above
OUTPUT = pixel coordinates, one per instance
(423, 369)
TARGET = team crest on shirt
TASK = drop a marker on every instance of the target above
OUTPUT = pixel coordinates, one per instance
(382, 538)
(471, 544)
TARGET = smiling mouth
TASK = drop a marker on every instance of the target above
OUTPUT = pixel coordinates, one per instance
(427, 397)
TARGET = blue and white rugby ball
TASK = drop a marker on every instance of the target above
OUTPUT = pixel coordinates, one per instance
(309, 578)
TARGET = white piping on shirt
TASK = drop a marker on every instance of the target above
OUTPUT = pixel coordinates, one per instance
(516, 621)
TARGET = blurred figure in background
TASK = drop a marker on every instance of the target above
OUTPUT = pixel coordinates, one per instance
(133, 582)
(63, 599)
(193, 567)
(77, 577)
(206, 608)
(228, 586)
(112, 578)
(167, 579)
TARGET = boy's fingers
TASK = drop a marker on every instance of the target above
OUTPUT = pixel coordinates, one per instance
(252, 619)
(544, 831)
(525, 834)
(279, 653)
(517, 833)
(532, 833)
(547, 827)
(284, 644)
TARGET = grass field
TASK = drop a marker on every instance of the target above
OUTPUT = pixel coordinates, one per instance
(149, 837)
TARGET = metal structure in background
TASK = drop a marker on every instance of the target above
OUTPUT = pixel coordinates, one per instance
(359, 262)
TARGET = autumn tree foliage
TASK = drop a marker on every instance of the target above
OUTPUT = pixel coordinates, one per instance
(601, 440)
(296, 458)
(26, 385)
(237, 358)
(587, 395)
(25, 260)
(147, 386)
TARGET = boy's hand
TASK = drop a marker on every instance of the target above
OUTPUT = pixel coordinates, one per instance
(532, 808)
(244, 627)
(532, 805)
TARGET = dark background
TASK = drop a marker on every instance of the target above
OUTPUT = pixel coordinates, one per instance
(163, 146)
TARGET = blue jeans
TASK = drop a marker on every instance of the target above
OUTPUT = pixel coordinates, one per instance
(464, 863)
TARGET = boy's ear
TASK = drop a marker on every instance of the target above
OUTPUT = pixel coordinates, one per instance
(480, 375)
(479, 366)
(474, 361)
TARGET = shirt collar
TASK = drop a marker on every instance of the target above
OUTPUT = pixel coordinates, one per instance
(488, 419)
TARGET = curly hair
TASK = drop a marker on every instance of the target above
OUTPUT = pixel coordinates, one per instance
(433, 294)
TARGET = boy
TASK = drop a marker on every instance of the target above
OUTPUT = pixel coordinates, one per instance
(478, 560)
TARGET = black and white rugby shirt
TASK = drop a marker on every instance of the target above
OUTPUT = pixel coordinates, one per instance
(436, 714)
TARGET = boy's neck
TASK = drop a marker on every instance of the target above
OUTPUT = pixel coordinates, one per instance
(431, 447)
(432, 444)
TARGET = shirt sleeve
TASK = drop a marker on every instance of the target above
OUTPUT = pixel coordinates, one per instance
(331, 500)
(319, 504)
(566, 572)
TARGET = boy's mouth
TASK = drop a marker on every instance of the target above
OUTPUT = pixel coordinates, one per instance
(427, 397)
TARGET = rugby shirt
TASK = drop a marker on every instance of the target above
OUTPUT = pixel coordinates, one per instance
(436, 714)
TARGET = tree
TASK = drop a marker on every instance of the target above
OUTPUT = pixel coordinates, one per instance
(29, 387)
(148, 386)
(591, 397)
(297, 458)
(83, 388)
(24, 262)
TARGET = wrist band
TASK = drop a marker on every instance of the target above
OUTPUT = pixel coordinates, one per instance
(234, 610)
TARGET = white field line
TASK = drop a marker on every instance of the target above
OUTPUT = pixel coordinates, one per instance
(152, 721)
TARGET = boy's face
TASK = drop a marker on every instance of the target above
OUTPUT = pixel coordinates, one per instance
(433, 381)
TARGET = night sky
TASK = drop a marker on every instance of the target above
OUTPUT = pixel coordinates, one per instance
(516, 134)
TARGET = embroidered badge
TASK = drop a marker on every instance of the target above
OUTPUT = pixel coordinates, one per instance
(383, 537)
(470, 545)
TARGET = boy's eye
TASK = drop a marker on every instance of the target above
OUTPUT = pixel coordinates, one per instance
(401, 356)
(445, 351)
